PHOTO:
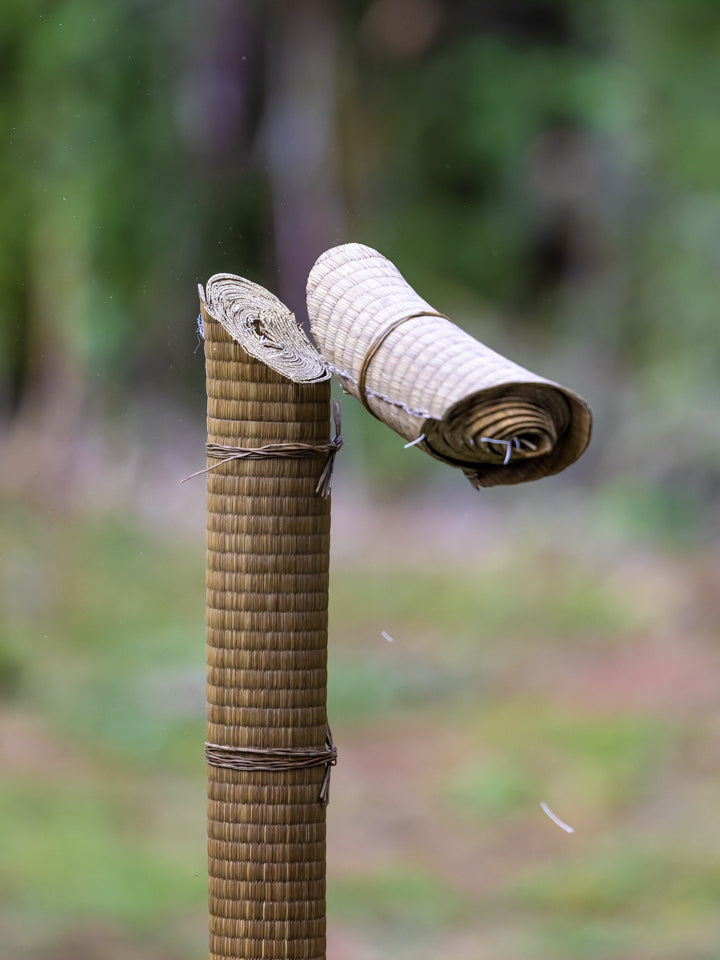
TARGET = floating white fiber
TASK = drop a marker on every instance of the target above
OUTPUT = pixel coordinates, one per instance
(555, 819)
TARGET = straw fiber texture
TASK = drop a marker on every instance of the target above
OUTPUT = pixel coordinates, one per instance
(433, 383)
(267, 596)
(263, 326)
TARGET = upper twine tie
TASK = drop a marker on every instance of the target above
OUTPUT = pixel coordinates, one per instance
(293, 451)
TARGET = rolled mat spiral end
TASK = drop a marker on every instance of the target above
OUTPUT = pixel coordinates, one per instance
(263, 326)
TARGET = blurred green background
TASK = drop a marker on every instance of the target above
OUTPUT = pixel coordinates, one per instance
(547, 172)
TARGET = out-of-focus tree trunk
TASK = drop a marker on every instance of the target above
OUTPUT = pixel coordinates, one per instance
(41, 438)
(300, 141)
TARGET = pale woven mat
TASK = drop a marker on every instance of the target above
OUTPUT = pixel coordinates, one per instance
(432, 382)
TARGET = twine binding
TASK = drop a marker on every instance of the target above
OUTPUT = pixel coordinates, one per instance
(277, 759)
(292, 451)
(363, 392)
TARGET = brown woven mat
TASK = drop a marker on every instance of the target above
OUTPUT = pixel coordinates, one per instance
(435, 385)
(267, 583)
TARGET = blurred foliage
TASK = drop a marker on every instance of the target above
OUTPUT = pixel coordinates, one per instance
(549, 169)
(402, 899)
(112, 188)
(80, 635)
(87, 862)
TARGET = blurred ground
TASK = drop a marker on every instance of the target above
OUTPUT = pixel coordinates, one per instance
(534, 658)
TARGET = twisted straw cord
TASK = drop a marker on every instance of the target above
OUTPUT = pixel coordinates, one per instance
(291, 451)
(277, 759)
(364, 393)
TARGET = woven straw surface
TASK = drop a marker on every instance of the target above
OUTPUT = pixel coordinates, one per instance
(267, 582)
(428, 379)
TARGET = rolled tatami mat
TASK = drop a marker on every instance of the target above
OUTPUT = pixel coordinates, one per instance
(434, 384)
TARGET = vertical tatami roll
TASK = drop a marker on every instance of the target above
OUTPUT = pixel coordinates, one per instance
(268, 541)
